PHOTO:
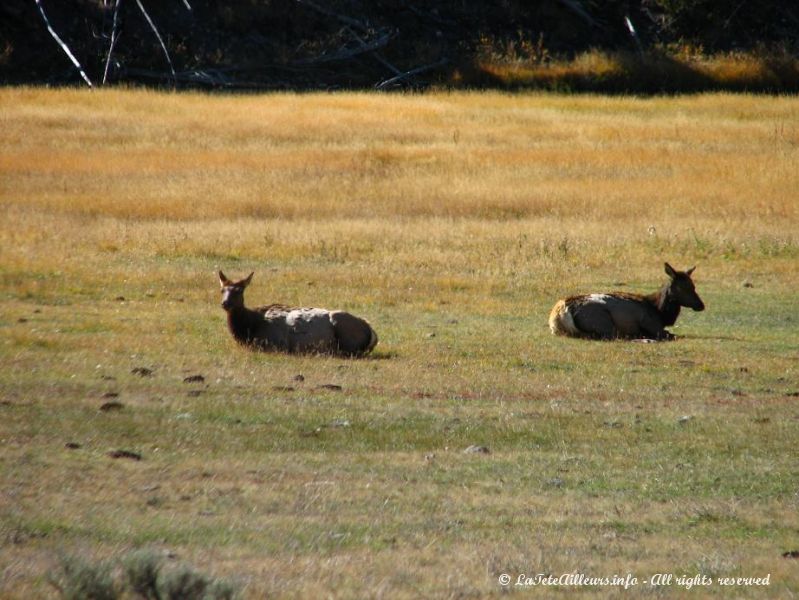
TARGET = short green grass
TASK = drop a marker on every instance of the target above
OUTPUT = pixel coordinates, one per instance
(605, 458)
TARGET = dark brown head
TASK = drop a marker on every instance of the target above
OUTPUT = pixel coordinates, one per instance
(681, 289)
(233, 291)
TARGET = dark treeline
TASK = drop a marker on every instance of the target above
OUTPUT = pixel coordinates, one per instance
(318, 44)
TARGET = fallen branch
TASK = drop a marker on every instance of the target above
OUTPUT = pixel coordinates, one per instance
(157, 35)
(114, 38)
(209, 77)
(343, 18)
(634, 34)
(205, 78)
(64, 47)
(377, 55)
(346, 54)
(447, 23)
(728, 20)
(577, 8)
(411, 73)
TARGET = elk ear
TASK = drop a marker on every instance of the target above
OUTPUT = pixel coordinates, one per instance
(689, 271)
(245, 282)
(223, 281)
(670, 271)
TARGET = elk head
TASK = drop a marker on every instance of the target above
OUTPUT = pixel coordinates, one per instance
(233, 291)
(682, 289)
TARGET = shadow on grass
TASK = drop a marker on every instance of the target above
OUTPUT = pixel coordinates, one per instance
(720, 338)
(380, 355)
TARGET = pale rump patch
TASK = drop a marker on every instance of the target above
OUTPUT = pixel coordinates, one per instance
(561, 321)
(316, 330)
(309, 330)
(299, 316)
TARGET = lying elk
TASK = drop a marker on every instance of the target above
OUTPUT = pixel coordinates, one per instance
(279, 327)
(623, 315)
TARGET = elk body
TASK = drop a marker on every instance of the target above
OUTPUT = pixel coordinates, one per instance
(624, 315)
(302, 330)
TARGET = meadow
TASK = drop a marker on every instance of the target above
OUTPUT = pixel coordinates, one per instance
(452, 222)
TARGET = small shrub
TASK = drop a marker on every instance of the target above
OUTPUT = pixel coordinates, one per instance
(80, 580)
(221, 589)
(183, 583)
(142, 576)
(142, 569)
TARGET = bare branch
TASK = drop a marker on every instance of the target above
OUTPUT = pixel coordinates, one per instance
(64, 47)
(577, 8)
(206, 78)
(343, 18)
(728, 20)
(634, 34)
(348, 53)
(411, 73)
(157, 35)
(377, 55)
(429, 16)
(114, 38)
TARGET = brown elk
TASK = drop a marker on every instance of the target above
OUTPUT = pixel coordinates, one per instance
(623, 315)
(301, 330)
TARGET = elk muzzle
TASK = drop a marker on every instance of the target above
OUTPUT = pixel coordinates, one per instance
(697, 304)
(231, 298)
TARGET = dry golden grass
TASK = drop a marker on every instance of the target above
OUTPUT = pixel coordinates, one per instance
(143, 155)
(452, 222)
(680, 70)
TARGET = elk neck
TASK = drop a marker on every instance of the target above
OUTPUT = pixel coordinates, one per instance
(243, 323)
(666, 305)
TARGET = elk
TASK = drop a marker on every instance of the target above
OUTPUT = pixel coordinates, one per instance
(623, 315)
(277, 327)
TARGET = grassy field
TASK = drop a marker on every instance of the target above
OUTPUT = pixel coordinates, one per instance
(453, 222)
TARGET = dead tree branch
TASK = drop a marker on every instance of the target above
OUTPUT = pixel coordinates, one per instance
(343, 18)
(377, 55)
(384, 84)
(114, 37)
(205, 78)
(64, 47)
(634, 35)
(348, 53)
(157, 35)
(201, 77)
(577, 8)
